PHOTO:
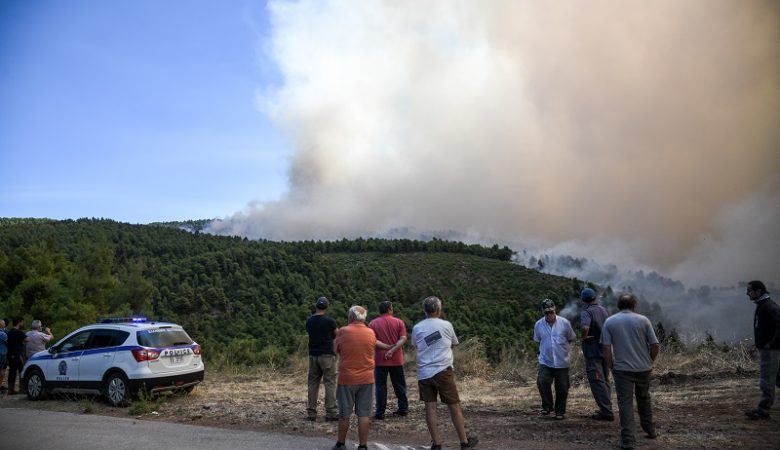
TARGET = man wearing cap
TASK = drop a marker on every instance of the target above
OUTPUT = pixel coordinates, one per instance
(391, 361)
(554, 335)
(591, 322)
(322, 360)
(630, 346)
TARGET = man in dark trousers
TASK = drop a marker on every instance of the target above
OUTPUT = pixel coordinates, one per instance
(591, 322)
(766, 331)
(630, 347)
(389, 329)
(16, 338)
(322, 361)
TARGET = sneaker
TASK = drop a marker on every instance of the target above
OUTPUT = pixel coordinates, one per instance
(559, 416)
(755, 414)
(436, 447)
(311, 418)
(364, 447)
(472, 443)
(400, 413)
(339, 446)
(599, 416)
(379, 417)
(544, 412)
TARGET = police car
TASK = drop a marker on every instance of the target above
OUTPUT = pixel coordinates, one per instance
(116, 357)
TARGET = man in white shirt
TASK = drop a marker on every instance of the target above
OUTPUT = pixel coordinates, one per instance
(434, 339)
(37, 339)
(554, 335)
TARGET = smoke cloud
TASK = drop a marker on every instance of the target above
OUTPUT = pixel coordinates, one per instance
(634, 132)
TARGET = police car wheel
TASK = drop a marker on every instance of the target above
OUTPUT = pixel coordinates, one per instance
(116, 390)
(35, 386)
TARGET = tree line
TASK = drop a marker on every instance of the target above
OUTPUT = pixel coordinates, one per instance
(248, 299)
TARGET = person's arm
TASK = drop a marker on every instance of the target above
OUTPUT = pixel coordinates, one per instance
(654, 350)
(398, 344)
(48, 334)
(585, 331)
(607, 350)
(382, 345)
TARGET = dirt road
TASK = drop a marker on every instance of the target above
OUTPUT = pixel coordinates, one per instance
(691, 411)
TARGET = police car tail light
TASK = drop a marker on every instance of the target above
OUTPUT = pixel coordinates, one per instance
(142, 354)
(196, 349)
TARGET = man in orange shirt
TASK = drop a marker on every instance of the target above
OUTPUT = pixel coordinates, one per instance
(355, 346)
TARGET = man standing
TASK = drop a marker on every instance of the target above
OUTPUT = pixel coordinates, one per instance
(322, 360)
(355, 346)
(434, 339)
(766, 332)
(630, 346)
(16, 338)
(391, 361)
(3, 354)
(592, 321)
(36, 339)
(554, 335)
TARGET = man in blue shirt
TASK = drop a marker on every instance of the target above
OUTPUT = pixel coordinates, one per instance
(591, 322)
(554, 335)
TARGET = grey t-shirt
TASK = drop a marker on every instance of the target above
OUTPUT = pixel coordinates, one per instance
(630, 335)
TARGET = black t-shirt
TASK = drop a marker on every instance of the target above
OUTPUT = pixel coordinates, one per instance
(322, 330)
(15, 341)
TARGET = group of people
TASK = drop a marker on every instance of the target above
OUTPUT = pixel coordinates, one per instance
(626, 345)
(353, 363)
(16, 347)
(623, 344)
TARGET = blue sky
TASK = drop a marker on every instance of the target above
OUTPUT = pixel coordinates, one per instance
(136, 111)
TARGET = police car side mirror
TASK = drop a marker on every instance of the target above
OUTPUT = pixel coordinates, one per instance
(52, 350)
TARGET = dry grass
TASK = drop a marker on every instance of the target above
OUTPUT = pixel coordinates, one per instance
(700, 406)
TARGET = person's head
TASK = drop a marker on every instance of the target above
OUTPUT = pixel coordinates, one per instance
(18, 321)
(357, 314)
(432, 306)
(321, 304)
(627, 301)
(755, 289)
(2, 323)
(548, 309)
(35, 325)
(588, 295)
(385, 307)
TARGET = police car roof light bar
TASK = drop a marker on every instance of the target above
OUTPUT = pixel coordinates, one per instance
(134, 319)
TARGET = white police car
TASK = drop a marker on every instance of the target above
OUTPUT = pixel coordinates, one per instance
(116, 358)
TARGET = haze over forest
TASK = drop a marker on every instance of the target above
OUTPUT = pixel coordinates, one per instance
(631, 133)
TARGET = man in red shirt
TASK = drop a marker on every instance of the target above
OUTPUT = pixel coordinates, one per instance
(355, 346)
(391, 361)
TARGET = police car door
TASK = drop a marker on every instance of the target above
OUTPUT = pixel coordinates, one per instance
(97, 357)
(62, 371)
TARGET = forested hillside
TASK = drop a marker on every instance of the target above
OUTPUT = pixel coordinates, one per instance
(250, 299)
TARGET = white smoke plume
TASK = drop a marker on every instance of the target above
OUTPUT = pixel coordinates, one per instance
(630, 131)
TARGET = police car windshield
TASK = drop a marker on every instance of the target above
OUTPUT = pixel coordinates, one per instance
(162, 337)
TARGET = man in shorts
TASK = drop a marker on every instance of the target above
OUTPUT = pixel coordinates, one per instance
(355, 345)
(434, 339)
